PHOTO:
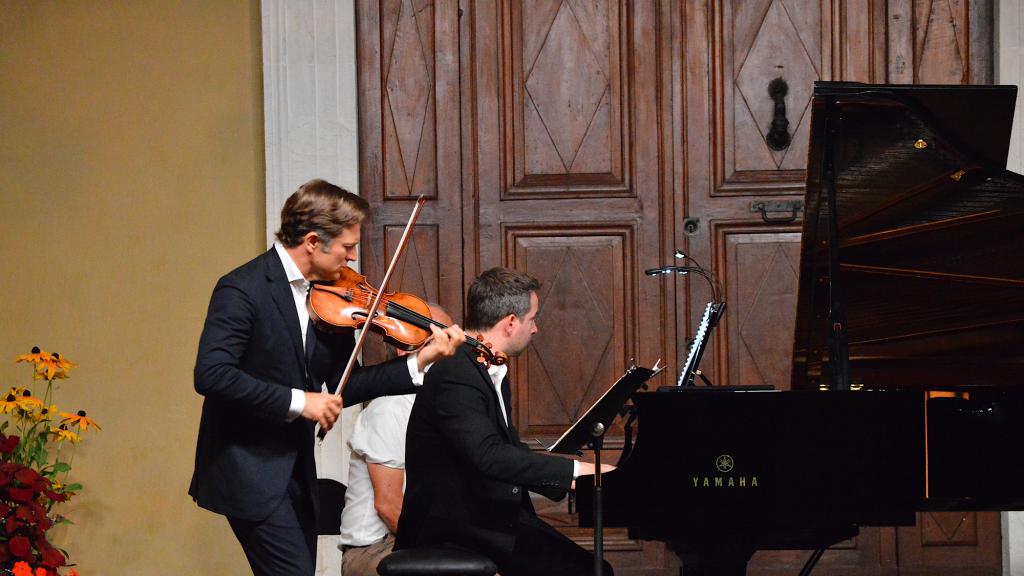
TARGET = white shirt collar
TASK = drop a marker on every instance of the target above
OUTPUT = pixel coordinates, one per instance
(291, 270)
(497, 374)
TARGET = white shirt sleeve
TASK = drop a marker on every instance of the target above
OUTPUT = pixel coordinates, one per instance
(379, 433)
(297, 406)
(575, 469)
(414, 369)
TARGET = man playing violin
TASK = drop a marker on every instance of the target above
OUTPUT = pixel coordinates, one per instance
(467, 472)
(262, 368)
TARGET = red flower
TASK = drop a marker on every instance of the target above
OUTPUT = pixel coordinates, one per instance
(20, 547)
(21, 494)
(8, 443)
(12, 523)
(22, 569)
(52, 558)
(26, 476)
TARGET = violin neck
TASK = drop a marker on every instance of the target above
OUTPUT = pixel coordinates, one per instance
(418, 320)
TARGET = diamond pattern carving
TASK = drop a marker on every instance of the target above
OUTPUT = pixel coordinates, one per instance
(778, 50)
(938, 46)
(417, 271)
(566, 84)
(580, 334)
(765, 311)
(945, 528)
(409, 87)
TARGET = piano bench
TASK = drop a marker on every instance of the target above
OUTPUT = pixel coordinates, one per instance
(435, 562)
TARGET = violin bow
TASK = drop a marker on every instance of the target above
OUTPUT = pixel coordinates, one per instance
(371, 312)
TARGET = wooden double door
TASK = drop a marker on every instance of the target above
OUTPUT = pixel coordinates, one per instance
(583, 141)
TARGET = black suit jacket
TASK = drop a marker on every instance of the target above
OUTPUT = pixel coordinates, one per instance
(250, 358)
(467, 473)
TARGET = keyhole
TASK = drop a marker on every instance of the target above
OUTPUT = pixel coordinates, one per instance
(778, 137)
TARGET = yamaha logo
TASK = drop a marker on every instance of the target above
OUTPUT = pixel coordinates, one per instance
(724, 463)
(725, 477)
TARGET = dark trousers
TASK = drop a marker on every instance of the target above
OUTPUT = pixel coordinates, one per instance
(285, 543)
(541, 550)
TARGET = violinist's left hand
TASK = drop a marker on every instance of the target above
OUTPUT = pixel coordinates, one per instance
(442, 343)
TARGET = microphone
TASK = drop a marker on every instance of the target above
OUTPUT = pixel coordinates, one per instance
(681, 270)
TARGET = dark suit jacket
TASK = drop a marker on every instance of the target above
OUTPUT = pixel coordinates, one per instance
(467, 473)
(250, 357)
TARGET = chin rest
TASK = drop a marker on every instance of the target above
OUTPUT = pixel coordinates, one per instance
(436, 562)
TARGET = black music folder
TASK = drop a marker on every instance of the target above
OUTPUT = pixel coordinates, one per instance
(605, 409)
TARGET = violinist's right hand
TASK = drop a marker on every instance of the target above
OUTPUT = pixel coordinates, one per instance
(322, 408)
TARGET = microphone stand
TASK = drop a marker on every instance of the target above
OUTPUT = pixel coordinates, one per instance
(597, 431)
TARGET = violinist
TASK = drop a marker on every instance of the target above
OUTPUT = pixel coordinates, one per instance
(262, 368)
(468, 475)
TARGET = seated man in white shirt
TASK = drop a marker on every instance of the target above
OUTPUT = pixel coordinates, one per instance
(376, 479)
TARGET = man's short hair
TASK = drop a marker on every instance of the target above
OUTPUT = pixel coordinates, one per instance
(497, 293)
(321, 207)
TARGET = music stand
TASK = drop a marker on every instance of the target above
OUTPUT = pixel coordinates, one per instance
(589, 431)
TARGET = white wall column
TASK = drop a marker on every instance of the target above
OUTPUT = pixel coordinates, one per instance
(311, 131)
(1010, 70)
(309, 97)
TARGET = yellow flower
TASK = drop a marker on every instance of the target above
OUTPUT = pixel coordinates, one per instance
(80, 419)
(56, 367)
(26, 401)
(35, 357)
(48, 365)
(43, 412)
(9, 402)
(62, 433)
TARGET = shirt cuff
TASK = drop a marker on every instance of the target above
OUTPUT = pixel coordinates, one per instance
(575, 469)
(413, 363)
(297, 406)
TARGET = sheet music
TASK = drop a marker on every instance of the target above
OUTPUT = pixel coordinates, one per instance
(691, 358)
(654, 371)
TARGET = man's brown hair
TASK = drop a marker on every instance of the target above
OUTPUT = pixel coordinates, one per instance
(321, 207)
(497, 293)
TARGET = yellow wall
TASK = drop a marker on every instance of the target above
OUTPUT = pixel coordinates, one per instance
(131, 178)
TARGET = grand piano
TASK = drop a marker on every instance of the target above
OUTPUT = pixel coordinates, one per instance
(908, 361)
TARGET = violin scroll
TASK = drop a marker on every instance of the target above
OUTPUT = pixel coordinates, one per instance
(486, 355)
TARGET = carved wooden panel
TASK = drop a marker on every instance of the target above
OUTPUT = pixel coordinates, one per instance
(952, 543)
(940, 42)
(765, 40)
(408, 115)
(409, 140)
(567, 86)
(420, 268)
(760, 264)
(582, 342)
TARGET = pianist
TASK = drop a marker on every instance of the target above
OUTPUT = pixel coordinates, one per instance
(467, 473)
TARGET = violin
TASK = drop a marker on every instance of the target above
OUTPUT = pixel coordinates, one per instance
(403, 319)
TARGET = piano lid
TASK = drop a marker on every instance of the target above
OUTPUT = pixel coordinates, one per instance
(929, 227)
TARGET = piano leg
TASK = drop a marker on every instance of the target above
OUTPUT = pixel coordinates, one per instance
(718, 559)
(704, 565)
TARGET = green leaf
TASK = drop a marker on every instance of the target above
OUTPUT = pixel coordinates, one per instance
(72, 487)
(60, 467)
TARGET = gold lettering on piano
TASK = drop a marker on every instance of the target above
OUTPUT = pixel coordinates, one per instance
(725, 464)
(724, 481)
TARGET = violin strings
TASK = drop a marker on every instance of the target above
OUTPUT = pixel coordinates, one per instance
(364, 299)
